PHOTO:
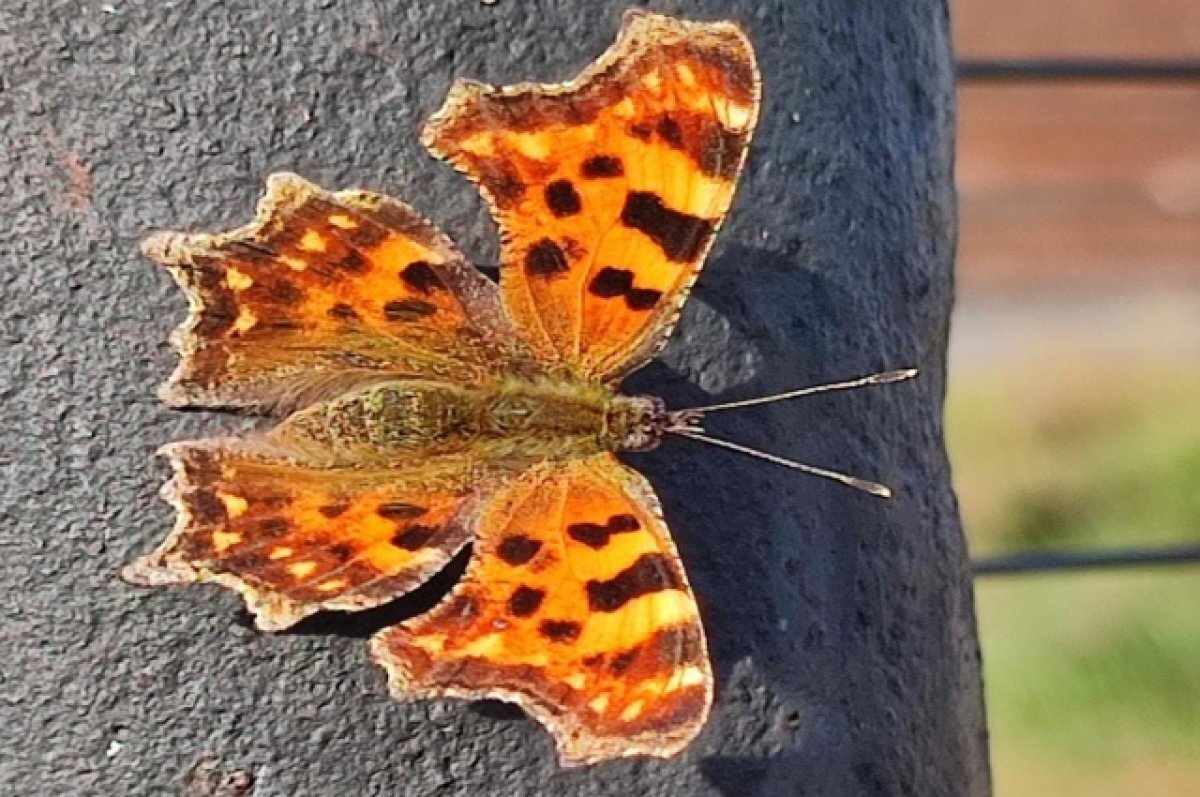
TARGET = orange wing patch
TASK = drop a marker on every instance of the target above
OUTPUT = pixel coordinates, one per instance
(609, 189)
(294, 539)
(321, 291)
(576, 607)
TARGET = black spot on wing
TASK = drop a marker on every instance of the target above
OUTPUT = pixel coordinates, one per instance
(343, 312)
(560, 630)
(642, 298)
(593, 535)
(610, 283)
(525, 601)
(399, 510)
(641, 131)
(350, 261)
(341, 551)
(562, 198)
(334, 510)
(650, 573)
(599, 166)
(517, 549)
(670, 132)
(681, 236)
(597, 536)
(408, 310)
(414, 537)
(422, 277)
(546, 259)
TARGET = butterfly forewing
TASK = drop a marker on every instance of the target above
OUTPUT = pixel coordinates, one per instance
(610, 188)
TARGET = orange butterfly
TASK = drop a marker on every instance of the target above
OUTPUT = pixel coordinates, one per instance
(432, 407)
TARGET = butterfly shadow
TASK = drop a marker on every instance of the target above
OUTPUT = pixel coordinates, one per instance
(764, 545)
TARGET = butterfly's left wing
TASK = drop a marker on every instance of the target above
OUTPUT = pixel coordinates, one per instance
(576, 607)
(609, 189)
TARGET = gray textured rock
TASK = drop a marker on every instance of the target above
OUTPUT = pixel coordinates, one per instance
(841, 626)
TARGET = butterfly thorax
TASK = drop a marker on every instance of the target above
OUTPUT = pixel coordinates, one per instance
(514, 419)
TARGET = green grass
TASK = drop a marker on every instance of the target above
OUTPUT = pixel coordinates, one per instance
(1092, 680)
(1072, 458)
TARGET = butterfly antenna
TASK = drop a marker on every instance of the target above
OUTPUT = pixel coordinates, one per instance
(885, 378)
(850, 481)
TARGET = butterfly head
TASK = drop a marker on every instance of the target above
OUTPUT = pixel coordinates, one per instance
(638, 423)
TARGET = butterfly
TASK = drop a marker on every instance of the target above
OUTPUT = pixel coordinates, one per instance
(426, 407)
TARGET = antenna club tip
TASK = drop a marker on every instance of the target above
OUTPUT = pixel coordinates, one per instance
(878, 490)
(898, 375)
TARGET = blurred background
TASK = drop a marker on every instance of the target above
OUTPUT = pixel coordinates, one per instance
(1074, 406)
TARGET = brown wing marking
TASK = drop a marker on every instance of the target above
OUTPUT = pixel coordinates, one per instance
(609, 188)
(294, 539)
(323, 291)
(576, 607)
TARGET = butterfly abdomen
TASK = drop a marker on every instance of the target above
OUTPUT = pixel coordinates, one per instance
(383, 423)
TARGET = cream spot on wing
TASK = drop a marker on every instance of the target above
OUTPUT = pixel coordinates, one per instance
(235, 505)
(631, 711)
(332, 585)
(312, 241)
(294, 263)
(343, 221)
(532, 145)
(484, 646)
(434, 642)
(688, 676)
(479, 144)
(282, 552)
(653, 82)
(302, 569)
(598, 704)
(224, 540)
(686, 76)
(733, 116)
(246, 319)
(575, 680)
(625, 109)
(237, 280)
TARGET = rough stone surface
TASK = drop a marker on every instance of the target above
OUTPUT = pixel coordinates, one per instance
(841, 625)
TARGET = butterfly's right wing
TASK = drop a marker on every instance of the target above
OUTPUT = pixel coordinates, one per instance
(324, 291)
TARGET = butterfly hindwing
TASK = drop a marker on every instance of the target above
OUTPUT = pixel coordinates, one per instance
(323, 291)
(575, 606)
(295, 538)
(609, 189)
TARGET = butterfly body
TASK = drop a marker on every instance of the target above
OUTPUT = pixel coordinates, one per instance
(432, 408)
(516, 421)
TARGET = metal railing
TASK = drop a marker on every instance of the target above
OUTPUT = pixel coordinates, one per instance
(1051, 69)
(1103, 70)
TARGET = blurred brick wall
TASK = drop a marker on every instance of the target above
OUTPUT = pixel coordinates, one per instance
(1070, 182)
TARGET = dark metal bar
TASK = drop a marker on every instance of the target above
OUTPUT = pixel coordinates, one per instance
(1052, 561)
(1045, 69)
